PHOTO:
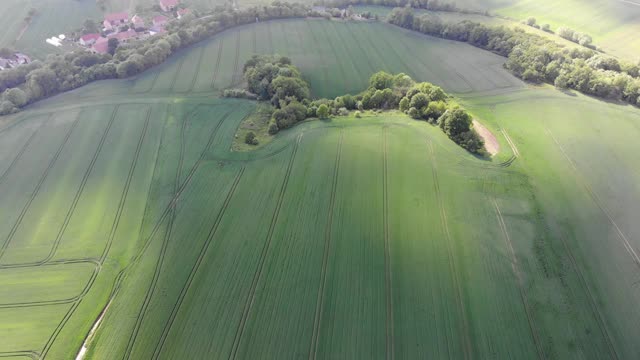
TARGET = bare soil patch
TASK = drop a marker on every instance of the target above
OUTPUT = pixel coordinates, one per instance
(490, 142)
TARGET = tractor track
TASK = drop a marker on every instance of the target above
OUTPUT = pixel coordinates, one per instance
(516, 271)
(156, 274)
(390, 344)
(196, 266)
(452, 263)
(35, 192)
(317, 322)
(22, 150)
(78, 194)
(216, 70)
(620, 234)
(263, 256)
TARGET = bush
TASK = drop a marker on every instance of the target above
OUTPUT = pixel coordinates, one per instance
(250, 138)
(357, 114)
(323, 111)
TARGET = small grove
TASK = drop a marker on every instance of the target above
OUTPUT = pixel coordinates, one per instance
(274, 79)
(536, 59)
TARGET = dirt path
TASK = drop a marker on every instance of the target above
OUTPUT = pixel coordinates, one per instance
(490, 141)
(83, 349)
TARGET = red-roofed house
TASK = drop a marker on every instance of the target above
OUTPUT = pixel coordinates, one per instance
(113, 21)
(182, 12)
(88, 39)
(101, 46)
(124, 36)
(168, 5)
(160, 20)
(137, 21)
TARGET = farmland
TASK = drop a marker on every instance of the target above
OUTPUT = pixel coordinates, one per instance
(331, 68)
(373, 237)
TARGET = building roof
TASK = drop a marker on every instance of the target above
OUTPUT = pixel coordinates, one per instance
(125, 35)
(117, 17)
(101, 46)
(169, 3)
(89, 37)
(137, 20)
(160, 19)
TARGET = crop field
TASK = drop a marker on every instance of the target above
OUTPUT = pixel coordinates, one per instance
(331, 67)
(373, 237)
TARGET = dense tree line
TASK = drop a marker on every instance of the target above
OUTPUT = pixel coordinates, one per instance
(275, 79)
(433, 5)
(58, 73)
(537, 59)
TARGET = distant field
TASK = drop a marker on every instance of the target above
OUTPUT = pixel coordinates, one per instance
(331, 67)
(371, 238)
(53, 17)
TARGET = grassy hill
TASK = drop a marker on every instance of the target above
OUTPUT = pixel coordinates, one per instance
(372, 237)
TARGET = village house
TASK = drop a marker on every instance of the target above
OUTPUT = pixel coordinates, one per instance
(88, 39)
(138, 22)
(114, 21)
(14, 60)
(160, 21)
(101, 46)
(168, 5)
(182, 12)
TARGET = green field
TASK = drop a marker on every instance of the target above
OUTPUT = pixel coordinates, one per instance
(373, 237)
(332, 68)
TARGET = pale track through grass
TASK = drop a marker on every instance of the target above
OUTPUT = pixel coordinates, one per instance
(317, 321)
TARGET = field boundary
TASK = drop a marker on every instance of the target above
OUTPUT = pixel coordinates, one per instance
(196, 265)
(390, 337)
(263, 255)
(452, 263)
(516, 271)
(620, 234)
(317, 321)
(35, 192)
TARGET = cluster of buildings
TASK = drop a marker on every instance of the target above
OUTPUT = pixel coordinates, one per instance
(124, 28)
(13, 61)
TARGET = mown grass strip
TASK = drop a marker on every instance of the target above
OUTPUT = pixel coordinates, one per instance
(313, 348)
(263, 255)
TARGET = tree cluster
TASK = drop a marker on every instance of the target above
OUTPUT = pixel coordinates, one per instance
(58, 73)
(536, 59)
(275, 79)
